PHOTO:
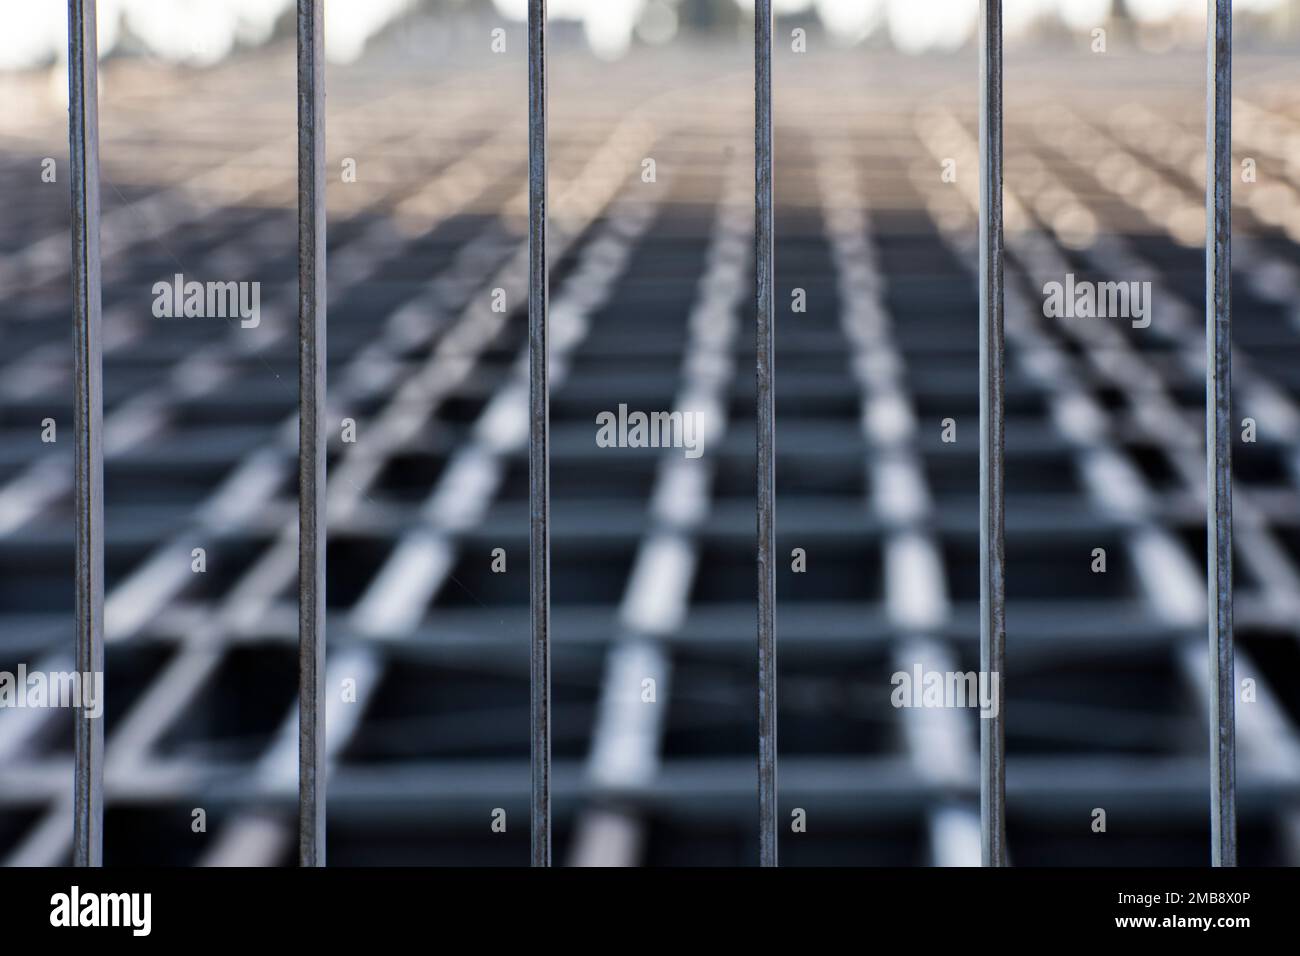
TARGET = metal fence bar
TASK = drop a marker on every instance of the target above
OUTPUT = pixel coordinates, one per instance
(539, 559)
(992, 420)
(765, 436)
(1218, 429)
(88, 411)
(311, 433)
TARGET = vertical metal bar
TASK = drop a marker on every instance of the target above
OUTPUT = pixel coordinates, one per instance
(539, 558)
(311, 433)
(88, 412)
(992, 418)
(766, 436)
(1218, 429)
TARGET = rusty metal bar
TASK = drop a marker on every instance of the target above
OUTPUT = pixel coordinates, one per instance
(539, 562)
(88, 412)
(992, 421)
(1218, 429)
(311, 433)
(765, 436)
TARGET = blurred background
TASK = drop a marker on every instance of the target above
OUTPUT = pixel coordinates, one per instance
(653, 552)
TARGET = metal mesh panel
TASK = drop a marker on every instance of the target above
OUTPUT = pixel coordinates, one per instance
(903, 422)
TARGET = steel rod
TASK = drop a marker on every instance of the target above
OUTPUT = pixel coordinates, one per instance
(1218, 429)
(539, 566)
(311, 433)
(992, 420)
(766, 435)
(88, 411)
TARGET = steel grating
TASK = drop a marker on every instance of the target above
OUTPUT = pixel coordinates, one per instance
(652, 561)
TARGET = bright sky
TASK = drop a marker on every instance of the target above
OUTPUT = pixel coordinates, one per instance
(193, 31)
(204, 31)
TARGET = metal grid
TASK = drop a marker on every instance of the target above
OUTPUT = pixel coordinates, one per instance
(652, 554)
